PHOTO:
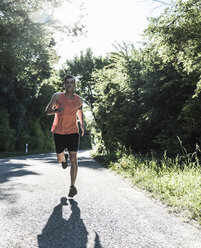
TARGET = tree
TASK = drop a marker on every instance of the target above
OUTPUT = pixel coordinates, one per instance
(144, 99)
(27, 57)
(174, 38)
(177, 32)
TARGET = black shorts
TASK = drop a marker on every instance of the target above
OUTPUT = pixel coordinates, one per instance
(69, 141)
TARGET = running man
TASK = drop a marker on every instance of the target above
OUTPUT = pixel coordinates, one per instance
(66, 107)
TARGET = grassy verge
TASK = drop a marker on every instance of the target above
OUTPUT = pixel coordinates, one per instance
(22, 153)
(176, 182)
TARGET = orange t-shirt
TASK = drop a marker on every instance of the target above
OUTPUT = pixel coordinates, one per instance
(65, 122)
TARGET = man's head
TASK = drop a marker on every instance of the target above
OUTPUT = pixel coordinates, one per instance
(69, 78)
(69, 83)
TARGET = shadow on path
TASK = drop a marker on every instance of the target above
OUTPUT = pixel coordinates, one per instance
(87, 162)
(60, 232)
(70, 233)
(10, 169)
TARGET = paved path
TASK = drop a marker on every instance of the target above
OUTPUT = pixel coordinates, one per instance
(107, 212)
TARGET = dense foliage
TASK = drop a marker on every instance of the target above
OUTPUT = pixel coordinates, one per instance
(27, 57)
(140, 99)
(148, 98)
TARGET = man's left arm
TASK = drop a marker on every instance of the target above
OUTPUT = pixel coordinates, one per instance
(80, 115)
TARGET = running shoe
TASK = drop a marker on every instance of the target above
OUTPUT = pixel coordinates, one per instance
(65, 164)
(72, 192)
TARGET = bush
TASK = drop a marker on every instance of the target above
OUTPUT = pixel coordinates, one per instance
(7, 134)
(35, 136)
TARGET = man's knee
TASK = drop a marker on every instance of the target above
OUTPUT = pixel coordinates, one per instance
(60, 157)
(73, 157)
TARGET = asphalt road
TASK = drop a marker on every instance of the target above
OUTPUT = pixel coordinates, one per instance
(107, 212)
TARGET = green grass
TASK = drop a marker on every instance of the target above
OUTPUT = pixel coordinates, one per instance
(176, 182)
(22, 153)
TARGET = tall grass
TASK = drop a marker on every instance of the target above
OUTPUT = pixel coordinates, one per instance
(175, 181)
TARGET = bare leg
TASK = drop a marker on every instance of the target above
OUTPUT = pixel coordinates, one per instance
(74, 167)
(61, 157)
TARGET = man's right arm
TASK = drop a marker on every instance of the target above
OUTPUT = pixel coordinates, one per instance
(50, 109)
